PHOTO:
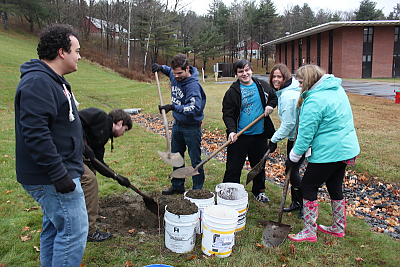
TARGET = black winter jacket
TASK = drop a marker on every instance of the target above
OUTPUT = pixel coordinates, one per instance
(97, 129)
(232, 103)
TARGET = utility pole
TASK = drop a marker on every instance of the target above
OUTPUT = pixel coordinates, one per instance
(129, 33)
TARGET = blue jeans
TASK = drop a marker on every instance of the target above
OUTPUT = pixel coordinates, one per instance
(65, 224)
(187, 135)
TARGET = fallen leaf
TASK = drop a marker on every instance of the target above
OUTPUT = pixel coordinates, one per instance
(8, 201)
(34, 208)
(330, 243)
(132, 230)
(8, 192)
(292, 249)
(25, 238)
(362, 246)
(283, 258)
(36, 248)
(3, 265)
(192, 257)
(260, 246)
(128, 263)
(359, 259)
(25, 228)
(81, 265)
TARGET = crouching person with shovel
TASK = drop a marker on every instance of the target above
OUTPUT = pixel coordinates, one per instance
(98, 128)
(188, 102)
(248, 101)
(326, 131)
(288, 92)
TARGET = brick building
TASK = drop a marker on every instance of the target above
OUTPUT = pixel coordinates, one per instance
(347, 49)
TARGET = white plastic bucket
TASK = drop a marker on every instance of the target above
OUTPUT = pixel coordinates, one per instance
(219, 226)
(236, 198)
(201, 204)
(180, 231)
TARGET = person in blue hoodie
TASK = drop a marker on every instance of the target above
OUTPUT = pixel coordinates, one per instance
(49, 146)
(288, 93)
(327, 137)
(188, 102)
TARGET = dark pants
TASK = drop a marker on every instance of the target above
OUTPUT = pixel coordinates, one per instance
(187, 135)
(252, 146)
(318, 173)
(295, 178)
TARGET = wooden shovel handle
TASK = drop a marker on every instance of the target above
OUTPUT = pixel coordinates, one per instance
(227, 143)
(164, 115)
(283, 199)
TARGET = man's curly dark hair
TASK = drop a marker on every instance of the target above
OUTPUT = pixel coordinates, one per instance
(119, 114)
(180, 61)
(53, 38)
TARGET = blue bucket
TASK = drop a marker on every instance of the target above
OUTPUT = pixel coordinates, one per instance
(158, 265)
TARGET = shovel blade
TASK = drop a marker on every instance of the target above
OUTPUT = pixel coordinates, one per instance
(275, 233)
(173, 159)
(184, 172)
(151, 205)
(255, 171)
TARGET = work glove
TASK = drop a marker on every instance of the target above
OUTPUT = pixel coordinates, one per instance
(88, 152)
(122, 180)
(271, 146)
(156, 67)
(64, 184)
(268, 110)
(167, 108)
(289, 165)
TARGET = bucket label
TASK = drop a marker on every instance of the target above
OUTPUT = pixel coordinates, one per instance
(222, 242)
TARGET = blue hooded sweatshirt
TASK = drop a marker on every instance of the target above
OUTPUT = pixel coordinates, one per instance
(48, 131)
(187, 96)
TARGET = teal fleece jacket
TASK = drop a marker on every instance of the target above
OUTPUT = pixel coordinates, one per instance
(326, 123)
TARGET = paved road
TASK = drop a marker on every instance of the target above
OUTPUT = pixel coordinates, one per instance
(377, 89)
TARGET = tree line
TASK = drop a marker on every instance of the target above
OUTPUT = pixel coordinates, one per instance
(159, 29)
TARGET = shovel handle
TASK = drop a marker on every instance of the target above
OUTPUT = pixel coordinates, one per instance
(164, 115)
(227, 143)
(285, 189)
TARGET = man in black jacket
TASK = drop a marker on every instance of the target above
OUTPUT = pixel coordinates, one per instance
(98, 128)
(245, 100)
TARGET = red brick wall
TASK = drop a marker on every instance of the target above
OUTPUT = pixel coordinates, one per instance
(351, 52)
(325, 51)
(313, 49)
(382, 54)
(337, 52)
(289, 55)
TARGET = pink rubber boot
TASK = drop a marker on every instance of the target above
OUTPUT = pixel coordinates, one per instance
(338, 217)
(309, 232)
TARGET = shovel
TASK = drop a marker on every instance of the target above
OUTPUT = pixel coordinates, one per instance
(190, 171)
(151, 205)
(257, 169)
(275, 232)
(173, 159)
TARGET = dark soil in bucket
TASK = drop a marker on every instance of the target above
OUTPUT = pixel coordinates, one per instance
(182, 207)
(199, 194)
(127, 215)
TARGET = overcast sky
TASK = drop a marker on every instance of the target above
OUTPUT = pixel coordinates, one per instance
(201, 6)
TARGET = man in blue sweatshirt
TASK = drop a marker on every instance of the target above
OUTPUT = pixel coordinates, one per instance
(49, 146)
(188, 101)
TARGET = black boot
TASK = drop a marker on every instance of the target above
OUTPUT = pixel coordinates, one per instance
(295, 201)
(98, 236)
(299, 195)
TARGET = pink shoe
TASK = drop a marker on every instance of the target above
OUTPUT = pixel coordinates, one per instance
(309, 232)
(338, 217)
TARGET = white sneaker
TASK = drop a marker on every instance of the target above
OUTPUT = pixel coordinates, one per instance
(262, 198)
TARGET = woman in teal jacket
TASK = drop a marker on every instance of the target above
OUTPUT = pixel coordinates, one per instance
(327, 136)
(288, 93)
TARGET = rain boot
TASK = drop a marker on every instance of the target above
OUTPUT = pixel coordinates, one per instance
(295, 201)
(338, 217)
(309, 232)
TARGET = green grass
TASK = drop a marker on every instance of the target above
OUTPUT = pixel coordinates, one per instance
(135, 157)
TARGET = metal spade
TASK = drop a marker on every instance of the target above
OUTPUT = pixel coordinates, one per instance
(275, 232)
(173, 159)
(257, 169)
(190, 171)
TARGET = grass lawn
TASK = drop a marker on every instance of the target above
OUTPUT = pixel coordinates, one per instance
(135, 156)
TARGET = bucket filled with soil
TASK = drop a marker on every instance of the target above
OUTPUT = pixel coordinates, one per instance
(181, 217)
(235, 196)
(202, 198)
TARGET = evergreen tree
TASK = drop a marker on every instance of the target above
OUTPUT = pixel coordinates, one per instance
(367, 11)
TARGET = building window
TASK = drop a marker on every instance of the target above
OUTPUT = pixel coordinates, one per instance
(319, 49)
(330, 66)
(367, 52)
(300, 52)
(308, 49)
(286, 53)
(293, 56)
(396, 34)
(368, 34)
